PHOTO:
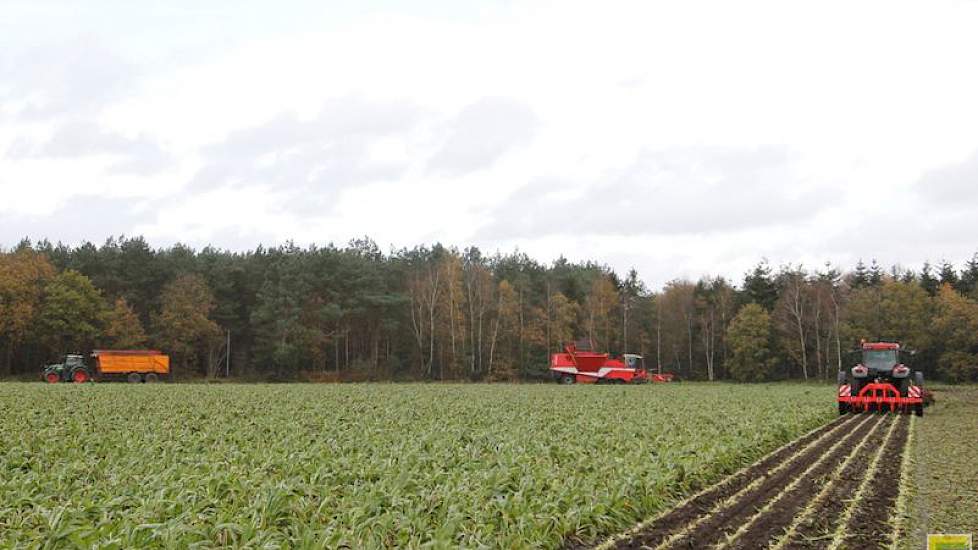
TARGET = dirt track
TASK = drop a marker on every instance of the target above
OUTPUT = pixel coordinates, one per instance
(836, 487)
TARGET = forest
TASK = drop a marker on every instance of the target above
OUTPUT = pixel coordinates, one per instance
(355, 313)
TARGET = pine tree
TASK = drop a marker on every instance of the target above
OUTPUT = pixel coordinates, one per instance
(875, 274)
(760, 287)
(948, 275)
(927, 280)
(969, 276)
(859, 277)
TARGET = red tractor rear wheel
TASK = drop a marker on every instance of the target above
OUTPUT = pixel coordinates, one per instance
(52, 378)
(80, 376)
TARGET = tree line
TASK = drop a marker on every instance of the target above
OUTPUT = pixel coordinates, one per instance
(354, 312)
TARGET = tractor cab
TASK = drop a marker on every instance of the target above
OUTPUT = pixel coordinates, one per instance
(633, 361)
(72, 361)
(879, 359)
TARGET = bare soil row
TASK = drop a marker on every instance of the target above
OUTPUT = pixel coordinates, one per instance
(836, 487)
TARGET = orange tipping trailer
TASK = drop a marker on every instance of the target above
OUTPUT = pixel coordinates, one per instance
(134, 365)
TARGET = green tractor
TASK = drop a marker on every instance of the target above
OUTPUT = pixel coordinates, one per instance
(72, 369)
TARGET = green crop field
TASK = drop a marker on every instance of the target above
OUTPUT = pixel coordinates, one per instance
(122, 466)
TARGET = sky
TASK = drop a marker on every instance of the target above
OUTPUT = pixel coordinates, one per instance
(681, 139)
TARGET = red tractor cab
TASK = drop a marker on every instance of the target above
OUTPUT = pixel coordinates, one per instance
(578, 364)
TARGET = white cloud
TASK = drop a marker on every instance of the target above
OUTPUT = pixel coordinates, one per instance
(721, 132)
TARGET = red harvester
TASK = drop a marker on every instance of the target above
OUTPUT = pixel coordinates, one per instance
(580, 365)
(881, 382)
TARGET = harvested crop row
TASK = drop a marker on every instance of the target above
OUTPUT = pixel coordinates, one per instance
(729, 509)
(719, 526)
(656, 531)
(815, 527)
(837, 487)
(869, 526)
(817, 490)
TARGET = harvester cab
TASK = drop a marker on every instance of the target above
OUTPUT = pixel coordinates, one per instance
(634, 361)
(71, 369)
(881, 381)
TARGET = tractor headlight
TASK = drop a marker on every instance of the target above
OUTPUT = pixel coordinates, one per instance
(860, 371)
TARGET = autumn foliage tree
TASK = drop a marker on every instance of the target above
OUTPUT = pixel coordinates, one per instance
(183, 326)
(600, 306)
(956, 326)
(23, 276)
(123, 329)
(72, 314)
(749, 336)
(892, 311)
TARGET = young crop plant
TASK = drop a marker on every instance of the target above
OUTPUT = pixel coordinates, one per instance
(123, 466)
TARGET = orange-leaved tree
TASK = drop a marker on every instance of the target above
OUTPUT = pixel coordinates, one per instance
(183, 327)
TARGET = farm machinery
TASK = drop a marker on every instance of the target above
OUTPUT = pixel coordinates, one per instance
(578, 364)
(881, 382)
(133, 365)
(71, 369)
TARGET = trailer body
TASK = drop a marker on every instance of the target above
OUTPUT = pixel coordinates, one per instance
(124, 362)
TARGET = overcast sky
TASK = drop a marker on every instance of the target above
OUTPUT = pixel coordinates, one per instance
(680, 138)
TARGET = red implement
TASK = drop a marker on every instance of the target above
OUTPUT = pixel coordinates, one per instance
(881, 397)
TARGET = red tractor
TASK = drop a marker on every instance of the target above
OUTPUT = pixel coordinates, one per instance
(881, 382)
(577, 364)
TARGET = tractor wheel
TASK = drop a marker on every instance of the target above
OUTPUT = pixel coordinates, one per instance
(80, 376)
(918, 379)
(152, 378)
(843, 409)
(134, 378)
(842, 378)
(52, 378)
(567, 379)
(918, 409)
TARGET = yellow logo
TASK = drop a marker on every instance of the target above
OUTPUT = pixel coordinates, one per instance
(949, 542)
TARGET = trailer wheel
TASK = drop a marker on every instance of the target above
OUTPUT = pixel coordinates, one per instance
(567, 379)
(79, 376)
(151, 378)
(134, 378)
(52, 378)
